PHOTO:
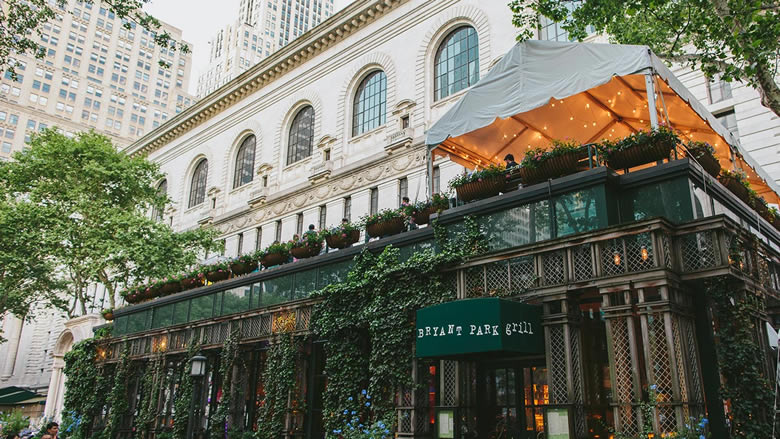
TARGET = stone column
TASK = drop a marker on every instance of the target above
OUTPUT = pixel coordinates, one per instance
(12, 331)
(388, 195)
(55, 394)
(250, 240)
(361, 205)
(311, 216)
(334, 212)
(269, 234)
(288, 227)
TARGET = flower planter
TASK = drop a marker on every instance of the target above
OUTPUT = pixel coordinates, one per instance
(762, 209)
(272, 259)
(150, 293)
(134, 297)
(639, 155)
(191, 282)
(241, 268)
(216, 276)
(776, 222)
(706, 160)
(171, 287)
(735, 187)
(305, 251)
(424, 216)
(343, 240)
(551, 168)
(386, 228)
(477, 190)
(108, 315)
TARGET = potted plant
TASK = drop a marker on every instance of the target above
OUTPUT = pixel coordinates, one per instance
(704, 154)
(420, 212)
(133, 295)
(479, 184)
(244, 264)
(108, 314)
(758, 203)
(639, 148)
(341, 236)
(217, 272)
(308, 245)
(540, 164)
(385, 223)
(194, 279)
(737, 183)
(774, 217)
(275, 254)
(168, 286)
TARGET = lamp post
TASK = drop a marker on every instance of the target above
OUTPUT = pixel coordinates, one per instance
(197, 371)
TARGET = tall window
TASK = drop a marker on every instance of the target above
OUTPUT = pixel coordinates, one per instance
(718, 90)
(301, 135)
(456, 65)
(403, 189)
(729, 120)
(374, 201)
(348, 208)
(278, 234)
(323, 215)
(369, 110)
(258, 237)
(199, 180)
(245, 163)
(162, 190)
(299, 224)
(436, 179)
(240, 244)
(554, 31)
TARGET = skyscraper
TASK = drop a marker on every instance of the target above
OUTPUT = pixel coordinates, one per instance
(262, 27)
(96, 74)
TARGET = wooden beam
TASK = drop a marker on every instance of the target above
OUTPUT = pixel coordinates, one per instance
(602, 131)
(612, 114)
(515, 117)
(512, 140)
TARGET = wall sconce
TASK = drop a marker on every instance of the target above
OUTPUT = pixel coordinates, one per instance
(644, 253)
(616, 258)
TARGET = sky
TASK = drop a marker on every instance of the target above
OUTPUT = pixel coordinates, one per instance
(199, 20)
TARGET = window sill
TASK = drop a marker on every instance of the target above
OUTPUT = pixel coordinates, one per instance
(299, 163)
(449, 99)
(376, 130)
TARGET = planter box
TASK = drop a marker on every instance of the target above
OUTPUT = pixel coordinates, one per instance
(340, 241)
(108, 316)
(735, 187)
(477, 190)
(306, 251)
(149, 293)
(240, 268)
(386, 228)
(639, 155)
(272, 259)
(171, 287)
(424, 216)
(551, 168)
(192, 282)
(706, 160)
(762, 209)
(216, 276)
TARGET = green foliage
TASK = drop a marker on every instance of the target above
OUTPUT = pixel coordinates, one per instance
(492, 171)
(536, 156)
(13, 422)
(281, 248)
(22, 20)
(343, 229)
(733, 39)
(220, 420)
(363, 423)
(88, 385)
(699, 149)
(740, 357)
(308, 239)
(438, 202)
(281, 369)
(87, 205)
(181, 405)
(117, 398)
(150, 395)
(382, 216)
(365, 321)
(639, 139)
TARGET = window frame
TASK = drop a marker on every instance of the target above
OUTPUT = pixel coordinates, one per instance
(456, 86)
(244, 171)
(297, 148)
(369, 124)
(198, 183)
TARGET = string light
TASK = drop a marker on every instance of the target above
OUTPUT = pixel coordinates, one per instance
(571, 118)
(594, 124)
(616, 258)
(644, 253)
(587, 105)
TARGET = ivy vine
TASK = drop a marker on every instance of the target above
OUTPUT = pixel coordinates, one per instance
(183, 402)
(88, 384)
(279, 374)
(150, 396)
(220, 421)
(365, 322)
(117, 398)
(740, 357)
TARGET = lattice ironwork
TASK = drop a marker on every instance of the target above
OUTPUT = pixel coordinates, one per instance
(679, 358)
(449, 383)
(689, 333)
(583, 262)
(576, 381)
(659, 355)
(265, 325)
(451, 280)
(303, 319)
(612, 258)
(475, 281)
(497, 278)
(558, 381)
(522, 275)
(640, 252)
(624, 381)
(667, 419)
(405, 420)
(421, 424)
(179, 340)
(137, 346)
(250, 328)
(206, 336)
(666, 242)
(699, 251)
(553, 268)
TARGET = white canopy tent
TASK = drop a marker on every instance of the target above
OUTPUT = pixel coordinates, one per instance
(545, 90)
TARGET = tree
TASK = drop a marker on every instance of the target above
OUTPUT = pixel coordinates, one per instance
(733, 39)
(86, 206)
(22, 19)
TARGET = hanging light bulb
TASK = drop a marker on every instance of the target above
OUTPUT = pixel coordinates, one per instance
(616, 258)
(571, 118)
(644, 254)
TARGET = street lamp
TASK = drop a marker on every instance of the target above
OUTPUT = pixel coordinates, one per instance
(197, 371)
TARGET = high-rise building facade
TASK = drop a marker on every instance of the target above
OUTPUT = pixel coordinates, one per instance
(96, 74)
(262, 27)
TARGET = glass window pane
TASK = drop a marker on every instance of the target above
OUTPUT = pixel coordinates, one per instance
(202, 307)
(162, 316)
(236, 299)
(369, 109)
(454, 61)
(277, 290)
(181, 312)
(305, 283)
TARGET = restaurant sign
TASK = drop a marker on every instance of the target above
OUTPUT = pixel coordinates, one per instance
(480, 325)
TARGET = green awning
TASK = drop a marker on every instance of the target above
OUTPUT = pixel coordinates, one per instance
(17, 395)
(483, 325)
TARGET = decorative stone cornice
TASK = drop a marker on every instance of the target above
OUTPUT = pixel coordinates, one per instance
(300, 50)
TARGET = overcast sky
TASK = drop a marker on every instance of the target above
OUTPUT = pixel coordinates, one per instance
(199, 20)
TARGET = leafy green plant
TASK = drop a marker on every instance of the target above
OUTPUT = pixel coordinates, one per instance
(536, 156)
(281, 248)
(247, 258)
(88, 385)
(438, 202)
(228, 357)
(13, 422)
(281, 368)
(343, 230)
(362, 422)
(699, 149)
(184, 395)
(492, 171)
(640, 139)
(309, 239)
(382, 216)
(217, 267)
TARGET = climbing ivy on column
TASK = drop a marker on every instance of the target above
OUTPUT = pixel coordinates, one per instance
(150, 396)
(367, 322)
(88, 384)
(183, 401)
(740, 357)
(117, 399)
(221, 419)
(279, 378)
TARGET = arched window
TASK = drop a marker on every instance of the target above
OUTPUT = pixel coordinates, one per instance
(245, 163)
(162, 190)
(369, 110)
(456, 65)
(301, 135)
(199, 181)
